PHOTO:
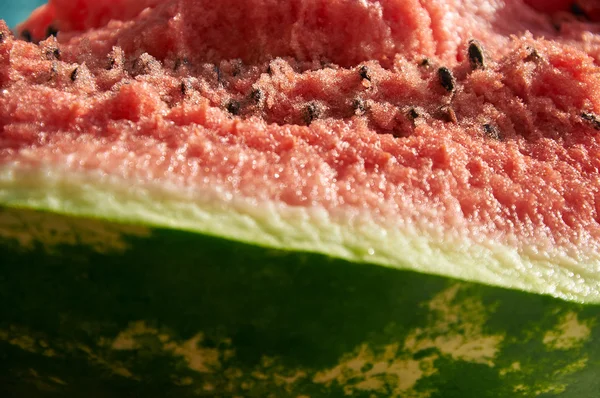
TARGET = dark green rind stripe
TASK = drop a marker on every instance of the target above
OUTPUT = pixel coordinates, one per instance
(101, 310)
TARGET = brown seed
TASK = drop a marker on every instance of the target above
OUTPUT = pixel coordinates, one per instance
(363, 71)
(311, 112)
(185, 87)
(52, 53)
(218, 72)
(74, 74)
(257, 95)
(360, 106)
(557, 25)
(51, 31)
(1, 37)
(476, 55)
(532, 55)
(53, 71)
(413, 114)
(138, 67)
(446, 79)
(112, 61)
(448, 114)
(578, 11)
(425, 62)
(180, 62)
(492, 131)
(237, 67)
(26, 35)
(592, 119)
(234, 107)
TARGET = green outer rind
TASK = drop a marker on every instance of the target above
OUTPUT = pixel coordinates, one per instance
(92, 308)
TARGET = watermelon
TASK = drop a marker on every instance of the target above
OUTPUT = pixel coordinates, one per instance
(309, 198)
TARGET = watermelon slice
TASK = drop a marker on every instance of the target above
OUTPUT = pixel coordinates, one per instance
(308, 198)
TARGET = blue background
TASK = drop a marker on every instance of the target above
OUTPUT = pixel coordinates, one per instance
(15, 11)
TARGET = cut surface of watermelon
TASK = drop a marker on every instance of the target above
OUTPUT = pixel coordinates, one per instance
(382, 199)
(125, 310)
(372, 131)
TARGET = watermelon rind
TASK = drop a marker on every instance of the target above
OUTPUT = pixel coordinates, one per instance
(346, 233)
(97, 308)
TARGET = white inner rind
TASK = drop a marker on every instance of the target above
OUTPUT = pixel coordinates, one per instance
(346, 233)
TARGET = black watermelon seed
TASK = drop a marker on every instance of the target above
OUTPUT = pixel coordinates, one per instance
(578, 11)
(360, 106)
(26, 35)
(179, 62)
(363, 71)
(53, 70)
(51, 31)
(218, 72)
(74, 74)
(492, 131)
(592, 119)
(1, 37)
(186, 87)
(532, 55)
(237, 68)
(233, 107)
(52, 53)
(311, 113)
(557, 26)
(446, 79)
(412, 114)
(476, 56)
(257, 95)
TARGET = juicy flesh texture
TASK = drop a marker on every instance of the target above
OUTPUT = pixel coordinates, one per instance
(336, 104)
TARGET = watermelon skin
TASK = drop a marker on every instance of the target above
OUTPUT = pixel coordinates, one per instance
(97, 309)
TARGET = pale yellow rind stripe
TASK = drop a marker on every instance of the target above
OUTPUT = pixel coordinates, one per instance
(347, 233)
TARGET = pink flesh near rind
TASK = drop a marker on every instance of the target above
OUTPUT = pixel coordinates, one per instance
(147, 104)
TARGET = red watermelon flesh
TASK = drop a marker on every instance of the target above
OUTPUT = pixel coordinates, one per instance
(588, 9)
(80, 15)
(335, 107)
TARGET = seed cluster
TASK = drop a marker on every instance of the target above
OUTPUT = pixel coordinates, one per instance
(244, 91)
